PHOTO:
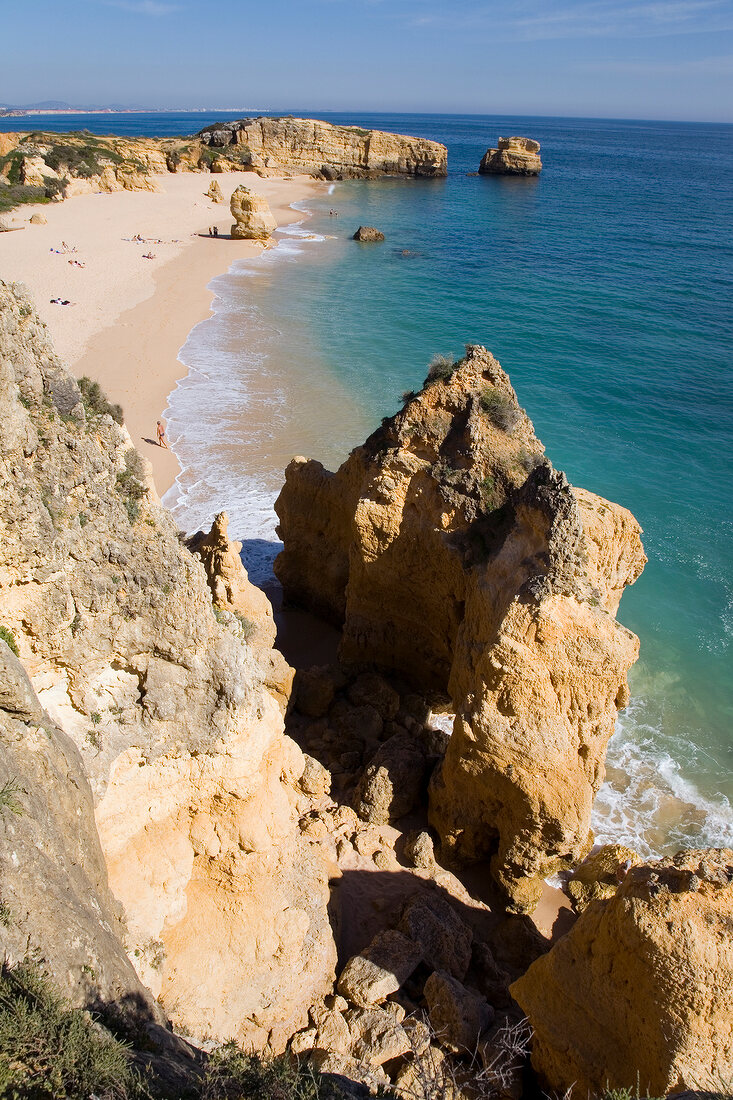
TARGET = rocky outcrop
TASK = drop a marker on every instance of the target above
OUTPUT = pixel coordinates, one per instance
(599, 875)
(637, 995)
(215, 192)
(450, 551)
(298, 145)
(252, 218)
(162, 716)
(231, 589)
(368, 233)
(515, 156)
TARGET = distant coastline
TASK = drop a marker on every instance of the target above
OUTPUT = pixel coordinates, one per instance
(25, 112)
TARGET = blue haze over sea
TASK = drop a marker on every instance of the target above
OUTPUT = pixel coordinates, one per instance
(605, 289)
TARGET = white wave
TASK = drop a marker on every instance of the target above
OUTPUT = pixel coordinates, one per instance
(646, 801)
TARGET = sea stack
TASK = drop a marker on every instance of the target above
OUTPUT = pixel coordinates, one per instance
(515, 156)
(451, 553)
(253, 220)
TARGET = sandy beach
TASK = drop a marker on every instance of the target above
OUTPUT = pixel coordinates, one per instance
(129, 314)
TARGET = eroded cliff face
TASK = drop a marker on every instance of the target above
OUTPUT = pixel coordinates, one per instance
(514, 156)
(327, 151)
(173, 716)
(449, 550)
(638, 994)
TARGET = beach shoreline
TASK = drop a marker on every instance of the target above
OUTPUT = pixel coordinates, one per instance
(132, 303)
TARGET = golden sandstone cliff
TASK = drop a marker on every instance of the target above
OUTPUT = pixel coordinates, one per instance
(164, 838)
(450, 552)
(274, 145)
(638, 994)
(36, 165)
(161, 716)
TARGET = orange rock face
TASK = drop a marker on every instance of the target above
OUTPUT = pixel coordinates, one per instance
(638, 994)
(450, 551)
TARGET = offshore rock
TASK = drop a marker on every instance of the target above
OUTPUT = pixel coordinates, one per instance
(450, 552)
(368, 233)
(303, 145)
(638, 993)
(252, 218)
(515, 156)
(171, 733)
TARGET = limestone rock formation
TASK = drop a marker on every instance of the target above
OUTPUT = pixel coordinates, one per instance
(515, 156)
(451, 552)
(230, 586)
(326, 151)
(638, 994)
(172, 712)
(598, 877)
(38, 219)
(252, 218)
(215, 192)
(368, 233)
(458, 1015)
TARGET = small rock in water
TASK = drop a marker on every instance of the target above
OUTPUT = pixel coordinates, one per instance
(368, 233)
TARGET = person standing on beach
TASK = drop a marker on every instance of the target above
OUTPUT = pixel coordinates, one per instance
(160, 430)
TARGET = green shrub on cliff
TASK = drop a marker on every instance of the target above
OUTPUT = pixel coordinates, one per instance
(49, 1051)
(9, 638)
(499, 408)
(440, 368)
(131, 484)
(96, 402)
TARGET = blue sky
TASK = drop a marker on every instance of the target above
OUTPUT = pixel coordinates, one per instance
(605, 58)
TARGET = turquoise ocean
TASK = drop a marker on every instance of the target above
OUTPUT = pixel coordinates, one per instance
(605, 289)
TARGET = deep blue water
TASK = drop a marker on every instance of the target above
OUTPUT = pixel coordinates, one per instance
(604, 287)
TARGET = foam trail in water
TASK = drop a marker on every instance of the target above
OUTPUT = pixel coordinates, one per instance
(647, 803)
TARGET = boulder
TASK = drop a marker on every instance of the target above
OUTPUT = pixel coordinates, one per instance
(638, 993)
(315, 780)
(394, 782)
(457, 1015)
(419, 851)
(442, 937)
(373, 690)
(215, 192)
(252, 217)
(598, 877)
(452, 554)
(514, 156)
(332, 1030)
(377, 1035)
(381, 969)
(38, 219)
(315, 689)
(368, 233)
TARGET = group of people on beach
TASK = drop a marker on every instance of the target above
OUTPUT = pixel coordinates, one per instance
(213, 230)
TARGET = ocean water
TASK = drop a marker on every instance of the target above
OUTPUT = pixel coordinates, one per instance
(604, 287)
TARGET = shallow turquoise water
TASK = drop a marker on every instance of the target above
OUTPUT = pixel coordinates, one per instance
(604, 288)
